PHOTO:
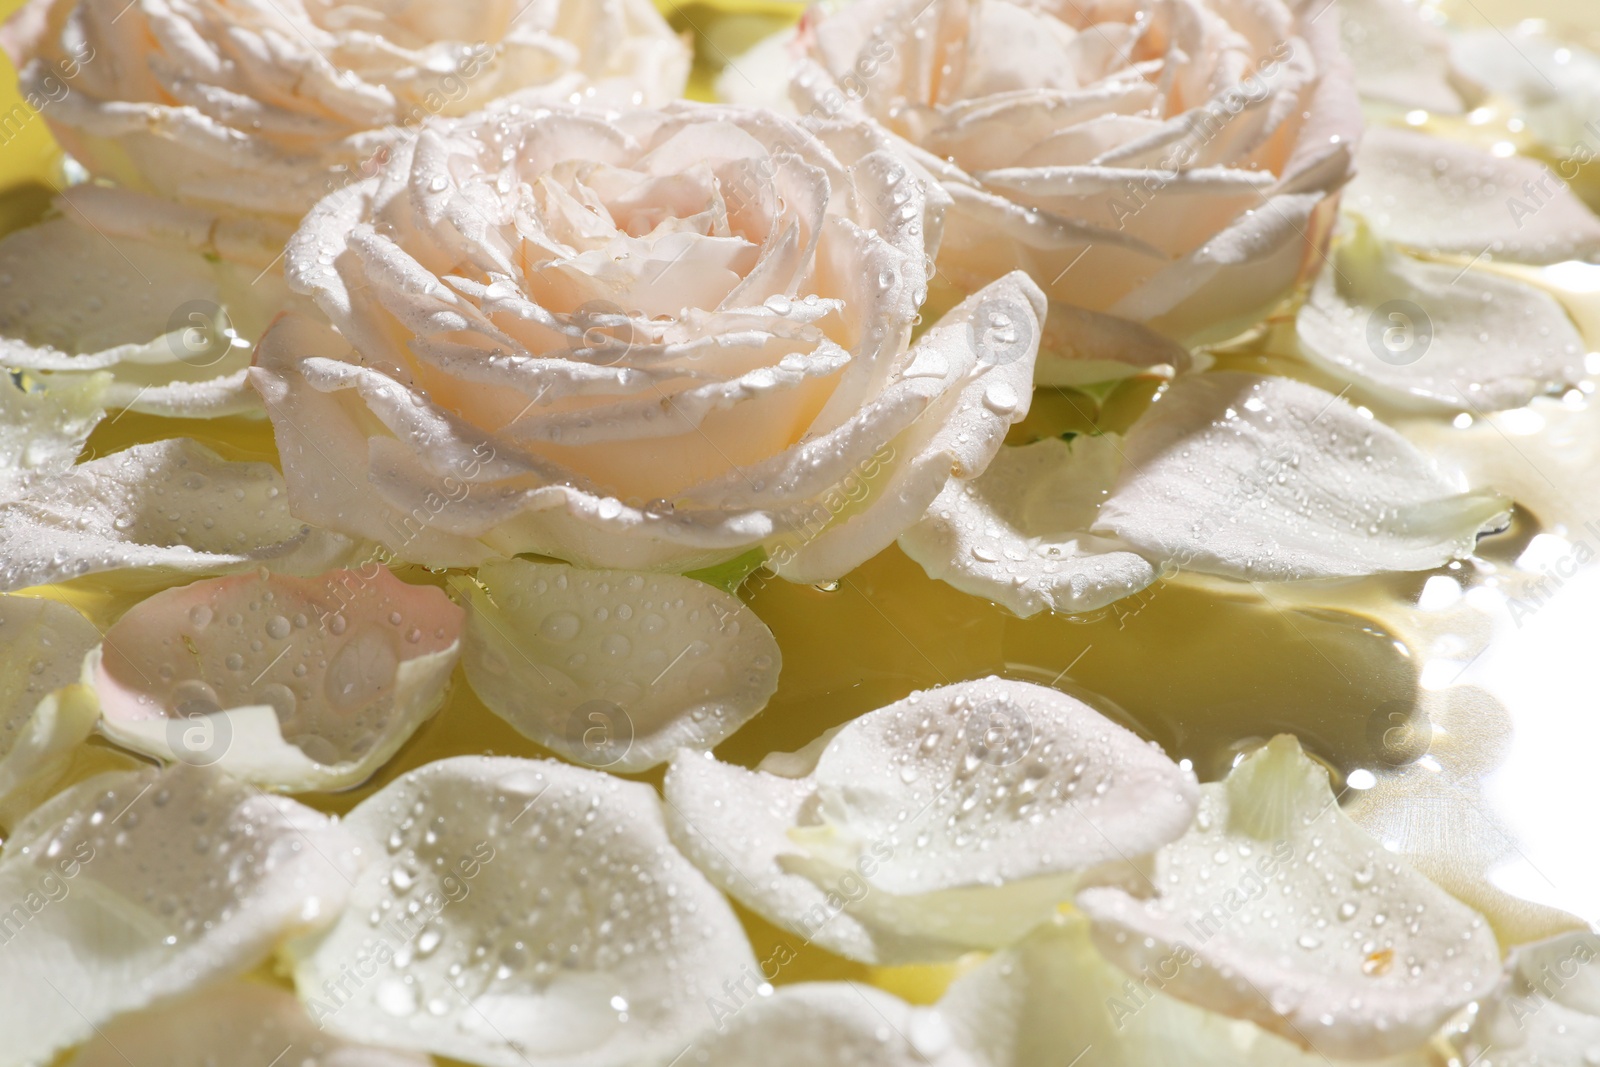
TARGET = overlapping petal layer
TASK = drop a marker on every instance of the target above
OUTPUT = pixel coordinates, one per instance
(135, 887)
(171, 507)
(1276, 908)
(957, 818)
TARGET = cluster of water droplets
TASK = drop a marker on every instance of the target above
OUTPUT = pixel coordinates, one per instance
(536, 901)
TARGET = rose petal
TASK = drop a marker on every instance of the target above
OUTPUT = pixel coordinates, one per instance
(1271, 479)
(1482, 342)
(1294, 918)
(173, 506)
(141, 288)
(1545, 1011)
(1053, 996)
(290, 683)
(1202, 296)
(1436, 195)
(976, 363)
(1400, 57)
(527, 912)
(1018, 533)
(616, 669)
(43, 428)
(1553, 80)
(43, 644)
(846, 1024)
(135, 887)
(967, 812)
(1083, 347)
(239, 1022)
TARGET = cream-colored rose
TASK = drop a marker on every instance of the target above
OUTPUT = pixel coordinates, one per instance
(659, 340)
(267, 105)
(1166, 163)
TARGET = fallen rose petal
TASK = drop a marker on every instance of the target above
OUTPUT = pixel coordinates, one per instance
(1018, 533)
(140, 886)
(43, 428)
(42, 645)
(1546, 1009)
(1401, 58)
(1269, 479)
(1426, 334)
(616, 669)
(173, 506)
(487, 947)
(1286, 913)
(1440, 196)
(289, 683)
(167, 299)
(955, 819)
(238, 1021)
(1053, 994)
(843, 1023)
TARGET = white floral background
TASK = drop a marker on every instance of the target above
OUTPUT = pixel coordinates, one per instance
(983, 533)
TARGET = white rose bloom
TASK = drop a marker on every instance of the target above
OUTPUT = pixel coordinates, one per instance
(246, 113)
(1172, 164)
(649, 341)
(267, 104)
